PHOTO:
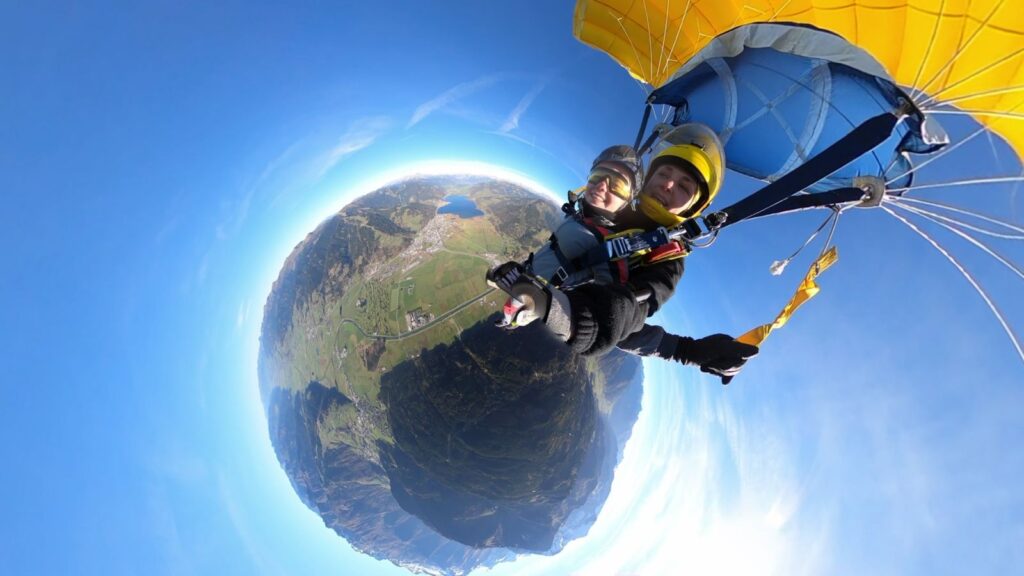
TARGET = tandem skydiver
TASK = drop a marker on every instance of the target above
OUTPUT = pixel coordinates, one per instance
(597, 306)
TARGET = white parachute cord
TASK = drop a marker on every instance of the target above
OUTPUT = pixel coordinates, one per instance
(961, 223)
(664, 33)
(974, 283)
(935, 97)
(672, 50)
(992, 113)
(999, 180)
(636, 55)
(995, 152)
(650, 44)
(993, 92)
(938, 155)
(667, 115)
(779, 11)
(914, 92)
(960, 51)
(779, 266)
(979, 244)
(832, 232)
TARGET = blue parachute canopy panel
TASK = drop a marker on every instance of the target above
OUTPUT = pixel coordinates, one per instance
(779, 94)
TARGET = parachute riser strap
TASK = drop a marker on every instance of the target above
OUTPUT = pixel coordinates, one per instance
(648, 143)
(861, 140)
(802, 202)
(643, 127)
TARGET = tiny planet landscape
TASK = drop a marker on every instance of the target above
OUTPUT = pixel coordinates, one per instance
(246, 328)
(418, 431)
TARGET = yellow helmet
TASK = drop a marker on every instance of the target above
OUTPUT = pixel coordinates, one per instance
(696, 149)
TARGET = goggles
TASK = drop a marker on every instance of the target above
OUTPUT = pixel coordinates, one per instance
(617, 183)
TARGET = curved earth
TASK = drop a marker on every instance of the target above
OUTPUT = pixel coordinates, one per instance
(417, 430)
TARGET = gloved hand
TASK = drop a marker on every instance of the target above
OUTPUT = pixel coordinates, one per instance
(718, 354)
(505, 275)
(529, 299)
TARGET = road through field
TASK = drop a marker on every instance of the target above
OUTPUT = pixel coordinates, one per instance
(423, 328)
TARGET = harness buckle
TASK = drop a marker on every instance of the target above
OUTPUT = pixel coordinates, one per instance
(560, 275)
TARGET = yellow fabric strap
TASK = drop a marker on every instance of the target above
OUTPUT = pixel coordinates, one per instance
(807, 289)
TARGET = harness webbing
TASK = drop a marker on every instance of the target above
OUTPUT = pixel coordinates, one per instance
(859, 141)
(643, 128)
(816, 200)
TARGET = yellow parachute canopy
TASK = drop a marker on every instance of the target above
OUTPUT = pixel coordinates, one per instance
(967, 53)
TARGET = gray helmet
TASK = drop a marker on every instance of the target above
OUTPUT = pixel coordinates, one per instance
(625, 157)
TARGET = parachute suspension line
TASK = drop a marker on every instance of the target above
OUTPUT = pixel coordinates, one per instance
(974, 283)
(914, 94)
(981, 246)
(779, 11)
(618, 20)
(682, 20)
(903, 201)
(661, 53)
(937, 156)
(935, 97)
(999, 180)
(895, 158)
(831, 233)
(993, 113)
(779, 266)
(650, 44)
(995, 153)
(959, 52)
(666, 114)
(993, 92)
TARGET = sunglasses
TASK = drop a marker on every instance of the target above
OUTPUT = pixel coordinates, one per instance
(616, 182)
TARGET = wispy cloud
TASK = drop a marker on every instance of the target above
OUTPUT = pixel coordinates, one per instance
(160, 514)
(360, 134)
(452, 95)
(243, 313)
(512, 122)
(241, 523)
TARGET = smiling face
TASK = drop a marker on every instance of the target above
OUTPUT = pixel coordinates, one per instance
(673, 187)
(608, 188)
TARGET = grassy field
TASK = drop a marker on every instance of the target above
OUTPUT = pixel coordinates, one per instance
(325, 344)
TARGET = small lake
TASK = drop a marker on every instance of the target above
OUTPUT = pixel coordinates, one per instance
(461, 206)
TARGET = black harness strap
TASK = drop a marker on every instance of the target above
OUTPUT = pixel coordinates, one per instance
(565, 266)
(643, 128)
(806, 201)
(861, 140)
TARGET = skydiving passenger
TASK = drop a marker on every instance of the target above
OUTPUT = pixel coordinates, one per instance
(596, 307)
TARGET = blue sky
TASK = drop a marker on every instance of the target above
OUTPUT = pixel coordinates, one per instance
(159, 161)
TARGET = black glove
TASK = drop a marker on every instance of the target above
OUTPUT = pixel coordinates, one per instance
(718, 354)
(529, 299)
(505, 275)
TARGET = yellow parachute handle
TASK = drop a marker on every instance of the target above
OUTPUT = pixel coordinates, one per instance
(807, 290)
